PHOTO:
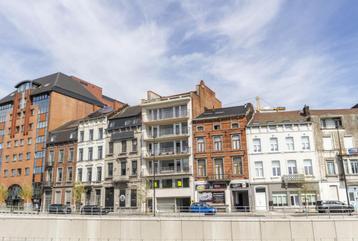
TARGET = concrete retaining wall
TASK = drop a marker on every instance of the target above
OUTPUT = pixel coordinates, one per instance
(175, 229)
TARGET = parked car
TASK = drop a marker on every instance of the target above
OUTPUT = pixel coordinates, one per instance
(93, 210)
(202, 208)
(59, 209)
(332, 206)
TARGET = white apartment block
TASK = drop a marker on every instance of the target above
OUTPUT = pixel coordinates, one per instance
(91, 155)
(284, 171)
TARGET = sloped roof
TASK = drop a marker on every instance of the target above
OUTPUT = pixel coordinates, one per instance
(65, 133)
(60, 83)
(223, 112)
(128, 112)
(263, 118)
(334, 111)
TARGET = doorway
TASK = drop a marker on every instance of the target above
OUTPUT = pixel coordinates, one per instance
(241, 201)
(260, 199)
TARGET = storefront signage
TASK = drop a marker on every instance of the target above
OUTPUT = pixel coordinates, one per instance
(239, 185)
(219, 186)
(353, 151)
(218, 197)
(200, 187)
(205, 197)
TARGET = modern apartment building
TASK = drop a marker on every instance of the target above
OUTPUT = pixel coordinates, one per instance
(221, 169)
(284, 170)
(167, 149)
(60, 165)
(336, 139)
(91, 155)
(124, 189)
(28, 114)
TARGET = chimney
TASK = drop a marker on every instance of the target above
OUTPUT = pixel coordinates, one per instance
(306, 110)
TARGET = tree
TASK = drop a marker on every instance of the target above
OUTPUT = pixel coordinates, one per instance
(3, 194)
(26, 195)
(78, 190)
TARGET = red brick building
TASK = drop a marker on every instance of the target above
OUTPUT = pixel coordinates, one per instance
(35, 108)
(220, 157)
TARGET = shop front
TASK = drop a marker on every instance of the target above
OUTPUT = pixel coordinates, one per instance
(213, 193)
(240, 196)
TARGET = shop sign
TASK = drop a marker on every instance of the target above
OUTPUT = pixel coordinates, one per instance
(218, 197)
(201, 187)
(205, 197)
(219, 186)
(239, 185)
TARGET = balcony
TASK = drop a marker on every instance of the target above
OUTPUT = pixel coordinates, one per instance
(293, 179)
(168, 135)
(219, 177)
(120, 178)
(162, 171)
(47, 183)
(166, 153)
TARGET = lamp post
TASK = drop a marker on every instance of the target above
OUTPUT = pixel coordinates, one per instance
(342, 162)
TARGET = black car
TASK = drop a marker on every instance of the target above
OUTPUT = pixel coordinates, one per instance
(59, 209)
(332, 206)
(93, 210)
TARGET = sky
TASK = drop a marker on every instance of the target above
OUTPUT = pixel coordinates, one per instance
(290, 53)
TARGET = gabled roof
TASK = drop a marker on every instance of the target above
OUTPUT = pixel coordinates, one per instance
(103, 112)
(60, 83)
(65, 133)
(128, 112)
(266, 118)
(223, 112)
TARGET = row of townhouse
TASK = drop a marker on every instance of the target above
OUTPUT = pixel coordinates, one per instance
(59, 132)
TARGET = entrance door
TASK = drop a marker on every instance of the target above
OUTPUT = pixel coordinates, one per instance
(353, 196)
(295, 201)
(260, 199)
(241, 201)
(219, 170)
(109, 197)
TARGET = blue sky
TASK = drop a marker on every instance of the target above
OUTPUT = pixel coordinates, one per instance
(290, 53)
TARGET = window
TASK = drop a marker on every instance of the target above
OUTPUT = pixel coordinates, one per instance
(308, 199)
(69, 174)
(29, 141)
(279, 199)
(19, 171)
(200, 128)
(16, 143)
(331, 169)
(290, 143)
(272, 127)
(134, 168)
(100, 133)
(216, 126)
(331, 123)
(292, 167)
(21, 142)
(82, 136)
(348, 142)
(89, 174)
(100, 152)
(200, 144)
(217, 143)
(124, 146)
(257, 144)
(235, 140)
(7, 158)
(307, 164)
(80, 154)
(60, 156)
(134, 145)
(274, 143)
(201, 168)
(237, 165)
(28, 155)
(91, 134)
(133, 198)
(327, 143)
(40, 139)
(110, 147)
(259, 169)
(71, 154)
(305, 143)
(167, 183)
(79, 174)
(13, 172)
(123, 168)
(27, 171)
(6, 173)
(99, 174)
(8, 144)
(276, 169)
(235, 125)
(20, 157)
(354, 166)
(90, 153)
(14, 158)
(59, 174)
(109, 169)
(51, 157)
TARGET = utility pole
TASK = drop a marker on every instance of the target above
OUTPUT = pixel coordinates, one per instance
(154, 147)
(341, 161)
